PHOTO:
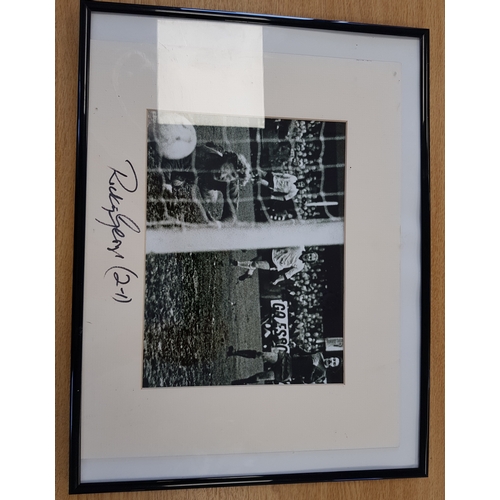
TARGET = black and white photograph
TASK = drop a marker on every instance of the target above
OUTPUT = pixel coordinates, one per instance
(268, 314)
(289, 171)
(272, 316)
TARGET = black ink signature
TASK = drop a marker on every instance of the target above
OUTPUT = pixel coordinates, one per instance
(117, 221)
(121, 276)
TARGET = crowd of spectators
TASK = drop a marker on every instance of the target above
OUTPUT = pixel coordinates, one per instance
(300, 153)
(305, 296)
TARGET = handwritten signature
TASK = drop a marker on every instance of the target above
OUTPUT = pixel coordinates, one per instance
(116, 219)
(120, 182)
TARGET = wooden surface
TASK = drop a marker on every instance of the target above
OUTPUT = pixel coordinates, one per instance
(418, 13)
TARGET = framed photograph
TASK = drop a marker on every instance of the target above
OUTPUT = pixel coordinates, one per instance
(251, 276)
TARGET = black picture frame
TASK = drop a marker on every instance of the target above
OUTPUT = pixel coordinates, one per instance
(416, 236)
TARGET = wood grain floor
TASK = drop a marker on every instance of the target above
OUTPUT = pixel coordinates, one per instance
(418, 13)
